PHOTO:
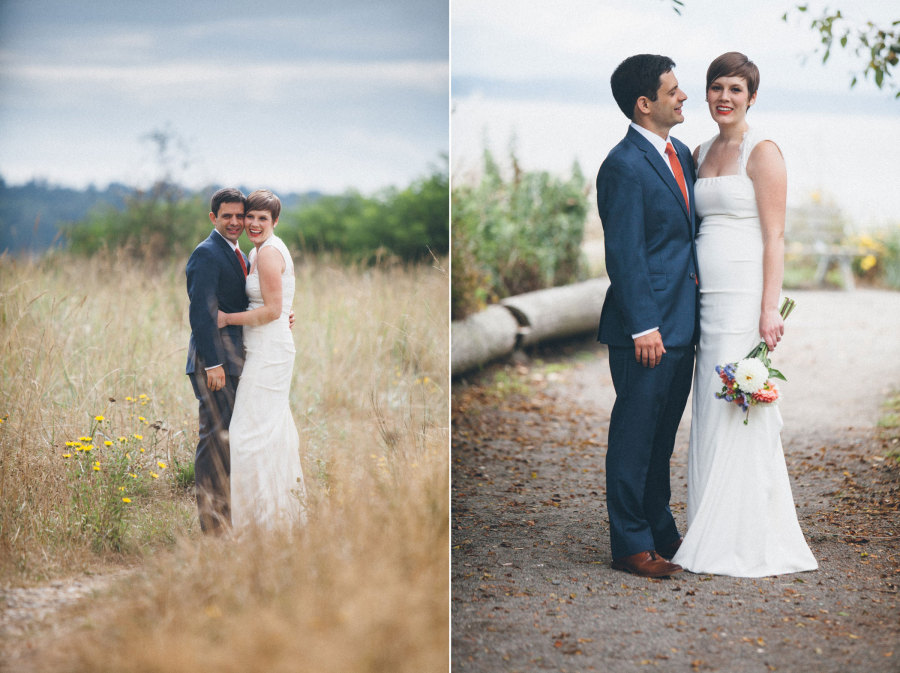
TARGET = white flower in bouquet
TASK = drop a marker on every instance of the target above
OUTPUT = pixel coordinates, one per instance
(750, 375)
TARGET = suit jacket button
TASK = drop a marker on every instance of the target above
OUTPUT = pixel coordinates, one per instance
(693, 275)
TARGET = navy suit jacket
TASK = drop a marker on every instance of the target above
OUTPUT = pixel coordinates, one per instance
(215, 281)
(649, 234)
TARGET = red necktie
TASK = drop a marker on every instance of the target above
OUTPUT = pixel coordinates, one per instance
(676, 169)
(241, 260)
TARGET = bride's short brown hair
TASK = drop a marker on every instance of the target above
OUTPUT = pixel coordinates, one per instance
(734, 64)
(263, 199)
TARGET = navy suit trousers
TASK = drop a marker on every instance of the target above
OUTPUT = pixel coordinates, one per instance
(212, 462)
(648, 408)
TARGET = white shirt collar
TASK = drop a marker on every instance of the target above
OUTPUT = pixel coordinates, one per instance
(234, 246)
(654, 139)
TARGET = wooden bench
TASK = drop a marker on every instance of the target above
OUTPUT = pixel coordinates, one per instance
(818, 230)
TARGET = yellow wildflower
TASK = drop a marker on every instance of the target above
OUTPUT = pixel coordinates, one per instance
(126, 500)
(154, 475)
(142, 396)
(85, 439)
(107, 443)
(100, 419)
(97, 467)
(70, 443)
(88, 447)
(129, 399)
(67, 455)
(139, 437)
(121, 488)
(141, 418)
(132, 475)
(161, 464)
(123, 439)
(868, 262)
(142, 449)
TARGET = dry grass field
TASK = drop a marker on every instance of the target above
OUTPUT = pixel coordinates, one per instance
(93, 356)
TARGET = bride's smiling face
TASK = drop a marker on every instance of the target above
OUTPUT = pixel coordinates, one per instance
(729, 99)
(259, 225)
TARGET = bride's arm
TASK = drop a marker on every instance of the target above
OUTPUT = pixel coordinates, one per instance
(270, 265)
(766, 168)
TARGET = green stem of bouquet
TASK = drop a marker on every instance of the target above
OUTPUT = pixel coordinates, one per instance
(761, 352)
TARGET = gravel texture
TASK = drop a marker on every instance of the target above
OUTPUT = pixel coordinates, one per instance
(532, 589)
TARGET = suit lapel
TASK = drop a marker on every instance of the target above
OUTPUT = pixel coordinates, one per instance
(227, 250)
(665, 172)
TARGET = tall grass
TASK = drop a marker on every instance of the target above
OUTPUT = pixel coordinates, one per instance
(364, 586)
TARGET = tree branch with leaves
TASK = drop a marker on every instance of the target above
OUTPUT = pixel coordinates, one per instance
(879, 47)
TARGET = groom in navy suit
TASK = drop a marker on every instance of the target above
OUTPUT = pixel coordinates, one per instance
(216, 273)
(645, 195)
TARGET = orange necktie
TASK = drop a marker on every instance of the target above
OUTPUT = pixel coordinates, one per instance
(241, 260)
(679, 175)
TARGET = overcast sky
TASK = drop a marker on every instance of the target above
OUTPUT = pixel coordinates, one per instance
(539, 73)
(292, 95)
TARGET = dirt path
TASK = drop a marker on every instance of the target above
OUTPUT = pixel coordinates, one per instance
(532, 586)
(31, 616)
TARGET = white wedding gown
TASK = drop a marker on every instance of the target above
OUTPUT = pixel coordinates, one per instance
(267, 488)
(741, 515)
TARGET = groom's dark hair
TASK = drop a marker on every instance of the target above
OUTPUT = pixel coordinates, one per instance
(638, 76)
(226, 195)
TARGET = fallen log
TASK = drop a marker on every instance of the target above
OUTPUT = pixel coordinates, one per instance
(525, 320)
(558, 312)
(481, 337)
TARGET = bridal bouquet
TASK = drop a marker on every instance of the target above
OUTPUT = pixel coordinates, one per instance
(749, 382)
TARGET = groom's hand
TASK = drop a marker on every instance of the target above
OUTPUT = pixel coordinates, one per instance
(215, 378)
(291, 320)
(649, 349)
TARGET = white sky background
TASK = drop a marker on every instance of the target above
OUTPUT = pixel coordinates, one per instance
(292, 95)
(539, 73)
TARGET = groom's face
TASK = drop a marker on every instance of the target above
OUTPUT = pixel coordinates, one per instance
(665, 111)
(229, 221)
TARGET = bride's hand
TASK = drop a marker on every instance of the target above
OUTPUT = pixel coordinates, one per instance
(771, 327)
(223, 319)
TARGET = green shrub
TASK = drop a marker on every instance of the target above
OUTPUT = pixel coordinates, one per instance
(158, 224)
(409, 224)
(514, 236)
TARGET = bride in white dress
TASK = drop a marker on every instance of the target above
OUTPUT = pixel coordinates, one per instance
(741, 515)
(267, 488)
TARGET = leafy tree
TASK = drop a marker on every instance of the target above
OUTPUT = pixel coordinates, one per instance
(879, 47)
(409, 224)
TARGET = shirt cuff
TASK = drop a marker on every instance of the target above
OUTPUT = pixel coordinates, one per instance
(206, 369)
(645, 332)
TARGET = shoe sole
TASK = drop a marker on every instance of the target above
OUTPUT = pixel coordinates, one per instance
(651, 575)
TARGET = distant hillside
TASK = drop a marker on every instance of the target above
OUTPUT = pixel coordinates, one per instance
(31, 215)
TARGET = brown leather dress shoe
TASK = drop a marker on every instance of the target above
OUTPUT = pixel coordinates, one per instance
(646, 564)
(668, 551)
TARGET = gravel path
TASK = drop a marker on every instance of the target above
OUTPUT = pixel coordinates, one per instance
(532, 586)
(32, 615)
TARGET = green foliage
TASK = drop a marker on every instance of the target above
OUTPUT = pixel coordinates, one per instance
(878, 47)
(514, 236)
(153, 225)
(408, 224)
